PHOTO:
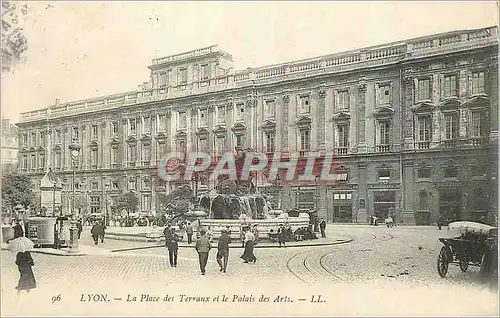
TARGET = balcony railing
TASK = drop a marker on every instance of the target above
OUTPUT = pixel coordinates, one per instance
(451, 143)
(341, 151)
(479, 141)
(423, 145)
(383, 148)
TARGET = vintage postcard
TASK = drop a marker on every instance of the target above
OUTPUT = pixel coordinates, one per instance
(249, 158)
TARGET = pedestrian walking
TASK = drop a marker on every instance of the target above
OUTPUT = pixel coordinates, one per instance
(18, 229)
(203, 247)
(189, 233)
(223, 250)
(255, 232)
(322, 227)
(210, 234)
(248, 255)
(95, 231)
(281, 235)
(173, 248)
(102, 231)
(80, 228)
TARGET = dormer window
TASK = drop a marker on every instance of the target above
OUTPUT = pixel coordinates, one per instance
(304, 105)
(205, 72)
(182, 76)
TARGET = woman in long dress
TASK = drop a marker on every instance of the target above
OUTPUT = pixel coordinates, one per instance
(248, 255)
(24, 262)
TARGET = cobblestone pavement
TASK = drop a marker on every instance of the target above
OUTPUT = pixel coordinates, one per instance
(400, 256)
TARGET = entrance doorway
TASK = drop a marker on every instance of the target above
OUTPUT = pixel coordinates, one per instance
(384, 201)
(449, 204)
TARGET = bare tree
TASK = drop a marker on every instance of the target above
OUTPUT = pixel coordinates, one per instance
(14, 43)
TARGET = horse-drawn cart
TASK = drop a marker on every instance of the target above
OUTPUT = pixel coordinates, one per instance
(476, 244)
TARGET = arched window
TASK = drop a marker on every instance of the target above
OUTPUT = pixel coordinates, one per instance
(423, 202)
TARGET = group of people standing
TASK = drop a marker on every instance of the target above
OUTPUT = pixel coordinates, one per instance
(98, 232)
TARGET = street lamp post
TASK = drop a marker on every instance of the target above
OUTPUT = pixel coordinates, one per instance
(75, 153)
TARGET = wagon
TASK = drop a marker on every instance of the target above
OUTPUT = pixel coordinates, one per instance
(476, 245)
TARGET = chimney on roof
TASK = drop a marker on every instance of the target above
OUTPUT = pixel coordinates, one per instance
(57, 102)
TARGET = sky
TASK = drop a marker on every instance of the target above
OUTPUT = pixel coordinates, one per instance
(80, 50)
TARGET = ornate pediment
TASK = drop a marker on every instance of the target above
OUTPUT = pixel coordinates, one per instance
(239, 128)
(220, 130)
(451, 103)
(423, 108)
(303, 122)
(202, 132)
(41, 148)
(181, 134)
(57, 147)
(161, 135)
(94, 143)
(384, 112)
(146, 136)
(477, 101)
(131, 139)
(114, 140)
(341, 117)
(269, 125)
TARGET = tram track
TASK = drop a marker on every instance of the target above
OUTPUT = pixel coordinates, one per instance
(310, 267)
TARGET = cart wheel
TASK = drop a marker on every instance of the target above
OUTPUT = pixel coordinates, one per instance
(442, 262)
(464, 264)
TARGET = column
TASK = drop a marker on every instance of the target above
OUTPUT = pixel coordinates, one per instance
(406, 109)
(154, 143)
(170, 131)
(84, 144)
(321, 118)
(284, 122)
(361, 116)
(125, 125)
(105, 153)
(192, 129)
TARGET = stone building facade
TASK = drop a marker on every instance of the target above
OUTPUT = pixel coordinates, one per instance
(9, 145)
(412, 125)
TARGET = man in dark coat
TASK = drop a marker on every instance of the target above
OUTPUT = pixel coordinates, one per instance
(189, 233)
(95, 231)
(18, 230)
(80, 228)
(171, 241)
(203, 247)
(102, 231)
(223, 250)
(322, 227)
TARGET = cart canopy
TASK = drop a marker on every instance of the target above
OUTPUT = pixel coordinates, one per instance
(468, 227)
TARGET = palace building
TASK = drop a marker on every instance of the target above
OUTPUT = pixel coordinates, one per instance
(412, 125)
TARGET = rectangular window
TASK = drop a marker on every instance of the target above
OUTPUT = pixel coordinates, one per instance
(132, 126)
(270, 109)
(57, 136)
(478, 171)
(182, 120)
(182, 76)
(450, 86)
(304, 105)
(75, 135)
(451, 126)
(42, 138)
(477, 124)
(343, 100)
(304, 139)
(41, 158)
(240, 112)
(131, 153)
(343, 131)
(114, 128)
(132, 183)
(450, 172)
(181, 146)
(239, 140)
(93, 132)
(25, 162)
(94, 185)
(162, 122)
(147, 125)
(270, 136)
(424, 128)
(33, 162)
(424, 173)
(114, 155)
(220, 143)
(95, 204)
(93, 158)
(203, 118)
(25, 140)
(424, 89)
(205, 72)
(33, 140)
(384, 175)
(221, 115)
(115, 185)
(57, 160)
(478, 83)
(203, 145)
(384, 96)
(146, 203)
(146, 153)
(163, 80)
(384, 130)
(160, 150)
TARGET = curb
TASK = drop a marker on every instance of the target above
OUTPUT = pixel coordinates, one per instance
(343, 241)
